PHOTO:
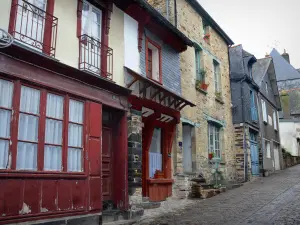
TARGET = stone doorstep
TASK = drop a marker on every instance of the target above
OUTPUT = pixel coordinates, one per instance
(148, 205)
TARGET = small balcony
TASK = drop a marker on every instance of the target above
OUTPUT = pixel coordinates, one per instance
(254, 115)
(95, 57)
(34, 27)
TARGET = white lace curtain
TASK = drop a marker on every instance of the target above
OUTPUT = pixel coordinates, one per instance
(6, 91)
(28, 129)
(155, 153)
(53, 133)
(75, 136)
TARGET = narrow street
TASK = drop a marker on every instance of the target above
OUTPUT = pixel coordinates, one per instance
(270, 200)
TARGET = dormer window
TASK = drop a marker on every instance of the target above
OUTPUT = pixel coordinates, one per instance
(250, 69)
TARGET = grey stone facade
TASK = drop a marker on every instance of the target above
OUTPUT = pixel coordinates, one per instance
(171, 75)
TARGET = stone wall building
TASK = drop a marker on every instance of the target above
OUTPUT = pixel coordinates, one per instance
(205, 81)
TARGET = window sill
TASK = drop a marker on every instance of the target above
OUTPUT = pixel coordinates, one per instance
(220, 100)
(160, 181)
(37, 174)
(201, 90)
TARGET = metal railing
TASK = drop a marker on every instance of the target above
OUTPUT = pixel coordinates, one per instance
(34, 27)
(254, 115)
(95, 57)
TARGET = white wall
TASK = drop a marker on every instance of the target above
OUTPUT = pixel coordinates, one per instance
(116, 42)
(132, 55)
(67, 45)
(288, 137)
(5, 14)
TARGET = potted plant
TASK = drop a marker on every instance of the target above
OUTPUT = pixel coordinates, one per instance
(210, 155)
(218, 95)
(204, 86)
(158, 174)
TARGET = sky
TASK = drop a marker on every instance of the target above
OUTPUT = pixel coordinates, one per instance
(260, 25)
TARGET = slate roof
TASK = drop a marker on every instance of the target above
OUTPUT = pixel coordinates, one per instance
(298, 70)
(259, 69)
(284, 70)
(246, 54)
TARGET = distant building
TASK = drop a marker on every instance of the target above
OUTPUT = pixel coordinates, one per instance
(288, 81)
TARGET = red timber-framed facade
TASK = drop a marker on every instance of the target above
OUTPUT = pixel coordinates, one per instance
(157, 106)
(64, 141)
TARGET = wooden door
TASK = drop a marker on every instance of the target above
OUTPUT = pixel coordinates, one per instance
(254, 154)
(276, 158)
(107, 161)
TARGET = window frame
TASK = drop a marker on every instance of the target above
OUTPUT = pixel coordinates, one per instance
(264, 111)
(215, 128)
(275, 121)
(268, 150)
(47, 35)
(147, 41)
(14, 127)
(198, 57)
(217, 76)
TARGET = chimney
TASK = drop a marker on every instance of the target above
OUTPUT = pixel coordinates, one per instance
(286, 56)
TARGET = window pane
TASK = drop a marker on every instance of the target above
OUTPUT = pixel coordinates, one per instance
(53, 133)
(27, 156)
(6, 91)
(52, 158)
(5, 117)
(76, 111)
(28, 128)
(156, 141)
(75, 135)
(74, 160)
(55, 106)
(4, 145)
(30, 100)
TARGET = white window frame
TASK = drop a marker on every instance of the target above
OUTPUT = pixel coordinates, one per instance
(217, 76)
(268, 150)
(264, 110)
(214, 130)
(275, 120)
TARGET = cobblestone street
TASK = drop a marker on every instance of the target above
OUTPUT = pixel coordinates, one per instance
(270, 200)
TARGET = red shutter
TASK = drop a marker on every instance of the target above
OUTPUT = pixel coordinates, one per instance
(95, 155)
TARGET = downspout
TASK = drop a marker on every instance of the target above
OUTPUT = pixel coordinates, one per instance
(175, 12)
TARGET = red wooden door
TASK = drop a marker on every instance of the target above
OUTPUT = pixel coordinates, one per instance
(107, 161)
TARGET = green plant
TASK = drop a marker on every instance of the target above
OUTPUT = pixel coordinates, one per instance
(218, 94)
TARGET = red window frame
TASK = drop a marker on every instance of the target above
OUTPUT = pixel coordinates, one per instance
(104, 28)
(159, 60)
(48, 26)
(14, 126)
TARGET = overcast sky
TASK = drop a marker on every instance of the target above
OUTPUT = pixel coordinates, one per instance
(260, 25)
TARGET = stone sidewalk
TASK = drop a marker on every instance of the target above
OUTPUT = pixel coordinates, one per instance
(270, 200)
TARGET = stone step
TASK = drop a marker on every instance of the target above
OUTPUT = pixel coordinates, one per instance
(148, 205)
(111, 215)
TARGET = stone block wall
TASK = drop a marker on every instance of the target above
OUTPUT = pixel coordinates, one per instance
(134, 122)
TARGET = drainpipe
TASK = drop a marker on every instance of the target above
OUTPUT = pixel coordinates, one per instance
(175, 12)
(167, 9)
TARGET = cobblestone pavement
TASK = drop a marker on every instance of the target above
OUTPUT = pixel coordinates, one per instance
(270, 200)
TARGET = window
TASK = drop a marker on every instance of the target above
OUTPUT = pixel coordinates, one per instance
(155, 153)
(75, 136)
(153, 61)
(199, 71)
(250, 69)
(53, 132)
(48, 127)
(267, 87)
(214, 140)
(28, 129)
(33, 24)
(268, 148)
(254, 116)
(275, 120)
(90, 39)
(6, 93)
(270, 121)
(217, 77)
(264, 111)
